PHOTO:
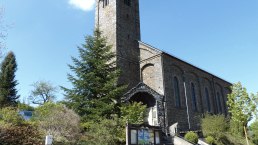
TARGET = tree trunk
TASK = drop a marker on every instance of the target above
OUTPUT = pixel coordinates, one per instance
(246, 135)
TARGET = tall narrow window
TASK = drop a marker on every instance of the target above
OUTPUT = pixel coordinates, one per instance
(207, 99)
(105, 3)
(219, 103)
(194, 103)
(177, 92)
(128, 2)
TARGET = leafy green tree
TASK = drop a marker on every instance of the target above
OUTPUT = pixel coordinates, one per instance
(133, 113)
(42, 93)
(95, 93)
(104, 132)
(8, 92)
(254, 129)
(241, 106)
(236, 128)
(113, 131)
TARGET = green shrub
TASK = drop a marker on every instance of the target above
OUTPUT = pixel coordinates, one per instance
(9, 115)
(23, 106)
(104, 132)
(191, 137)
(112, 131)
(210, 140)
(23, 134)
(15, 131)
(214, 125)
(59, 121)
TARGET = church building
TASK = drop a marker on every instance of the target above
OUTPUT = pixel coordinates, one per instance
(175, 91)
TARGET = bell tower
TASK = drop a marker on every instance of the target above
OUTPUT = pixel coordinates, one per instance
(119, 22)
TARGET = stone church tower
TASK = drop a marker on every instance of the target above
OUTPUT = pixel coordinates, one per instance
(120, 23)
(175, 92)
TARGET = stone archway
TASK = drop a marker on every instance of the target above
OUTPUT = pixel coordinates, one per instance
(144, 97)
(153, 100)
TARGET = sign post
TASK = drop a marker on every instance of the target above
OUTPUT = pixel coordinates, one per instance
(143, 134)
(49, 140)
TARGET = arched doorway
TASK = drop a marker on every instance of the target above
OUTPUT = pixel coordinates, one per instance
(151, 116)
(155, 115)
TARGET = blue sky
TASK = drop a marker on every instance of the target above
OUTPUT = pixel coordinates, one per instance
(220, 36)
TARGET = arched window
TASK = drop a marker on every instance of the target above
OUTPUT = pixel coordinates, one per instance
(194, 103)
(219, 103)
(177, 92)
(207, 99)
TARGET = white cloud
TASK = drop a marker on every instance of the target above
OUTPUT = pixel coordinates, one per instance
(85, 5)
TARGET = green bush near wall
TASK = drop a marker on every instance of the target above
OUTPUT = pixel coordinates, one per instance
(210, 140)
(191, 137)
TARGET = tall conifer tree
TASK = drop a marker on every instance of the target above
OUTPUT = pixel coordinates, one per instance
(95, 93)
(8, 92)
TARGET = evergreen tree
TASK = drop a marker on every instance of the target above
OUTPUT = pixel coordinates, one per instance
(8, 92)
(95, 93)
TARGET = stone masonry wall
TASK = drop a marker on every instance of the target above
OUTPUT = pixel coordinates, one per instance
(128, 34)
(120, 24)
(151, 68)
(189, 74)
(158, 70)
